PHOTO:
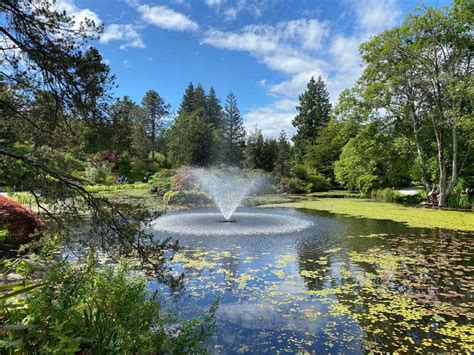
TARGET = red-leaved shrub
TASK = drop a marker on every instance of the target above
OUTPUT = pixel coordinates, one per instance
(183, 179)
(20, 222)
(111, 157)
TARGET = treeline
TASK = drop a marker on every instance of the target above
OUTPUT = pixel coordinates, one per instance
(408, 120)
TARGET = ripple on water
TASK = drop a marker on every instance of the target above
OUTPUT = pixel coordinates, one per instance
(253, 222)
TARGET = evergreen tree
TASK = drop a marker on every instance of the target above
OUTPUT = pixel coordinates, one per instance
(187, 101)
(282, 163)
(199, 102)
(123, 118)
(254, 148)
(233, 131)
(155, 109)
(189, 140)
(313, 114)
(214, 109)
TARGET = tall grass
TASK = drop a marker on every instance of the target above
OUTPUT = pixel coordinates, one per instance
(460, 201)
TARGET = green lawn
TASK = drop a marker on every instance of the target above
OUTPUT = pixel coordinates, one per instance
(412, 216)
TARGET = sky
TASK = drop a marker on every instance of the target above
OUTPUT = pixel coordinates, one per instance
(265, 51)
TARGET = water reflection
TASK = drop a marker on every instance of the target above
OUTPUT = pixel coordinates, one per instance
(347, 285)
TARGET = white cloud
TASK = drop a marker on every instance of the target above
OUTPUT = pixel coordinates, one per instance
(303, 48)
(126, 63)
(121, 32)
(271, 119)
(214, 3)
(375, 16)
(80, 15)
(166, 18)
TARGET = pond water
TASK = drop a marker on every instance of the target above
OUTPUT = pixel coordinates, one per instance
(344, 284)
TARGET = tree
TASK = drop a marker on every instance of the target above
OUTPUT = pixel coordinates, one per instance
(282, 163)
(421, 74)
(374, 158)
(254, 148)
(154, 110)
(233, 131)
(189, 141)
(124, 117)
(214, 109)
(187, 101)
(344, 124)
(312, 115)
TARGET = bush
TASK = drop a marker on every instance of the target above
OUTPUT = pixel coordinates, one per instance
(186, 197)
(98, 172)
(183, 179)
(460, 201)
(89, 309)
(20, 222)
(317, 183)
(292, 186)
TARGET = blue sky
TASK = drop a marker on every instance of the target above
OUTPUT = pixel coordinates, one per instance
(263, 50)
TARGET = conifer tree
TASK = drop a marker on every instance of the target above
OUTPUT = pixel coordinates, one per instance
(155, 109)
(214, 109)
(313, 113)
(233, 131)
(282, 163)
(187, 101)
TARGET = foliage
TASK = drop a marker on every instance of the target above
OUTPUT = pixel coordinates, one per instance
(313, 113)
(154, 110)
(344, 124)
(102, 188)
(260, 153)
(292, 185)
(283, 158)
(393, 196)
(183, 197)
(374, 159)
(97, 309)
(191, 140)
(233, 131)
(20, 222)
(420, 75)
(99, 171)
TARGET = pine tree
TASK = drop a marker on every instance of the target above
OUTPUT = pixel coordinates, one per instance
(123, 117)
(282, 163)
(254, 149)
(187, 101)
(233, 131)
(199, 101)
(189, 140)
(155, 109)
(313, 113)
(214, 109)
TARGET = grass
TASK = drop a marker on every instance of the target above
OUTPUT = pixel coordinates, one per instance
(104, 188)
(412, 216)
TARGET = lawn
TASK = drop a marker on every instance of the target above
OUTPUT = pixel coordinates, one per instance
(412, 216)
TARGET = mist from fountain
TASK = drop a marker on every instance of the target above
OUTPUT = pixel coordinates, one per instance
(228, 187)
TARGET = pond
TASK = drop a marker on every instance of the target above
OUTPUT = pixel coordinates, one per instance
(345, 284)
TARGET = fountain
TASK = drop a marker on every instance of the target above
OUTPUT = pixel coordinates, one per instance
(228, 188)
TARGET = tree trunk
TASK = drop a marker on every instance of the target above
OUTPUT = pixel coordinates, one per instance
(442, 168)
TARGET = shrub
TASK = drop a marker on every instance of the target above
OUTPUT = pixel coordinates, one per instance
(20, 222)
(99, 171)
(110, 157)
(292, 186)
(183, 179)
(461, 201)
(185, 197)
(317, 183)
(162, 187)
(89, 309)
